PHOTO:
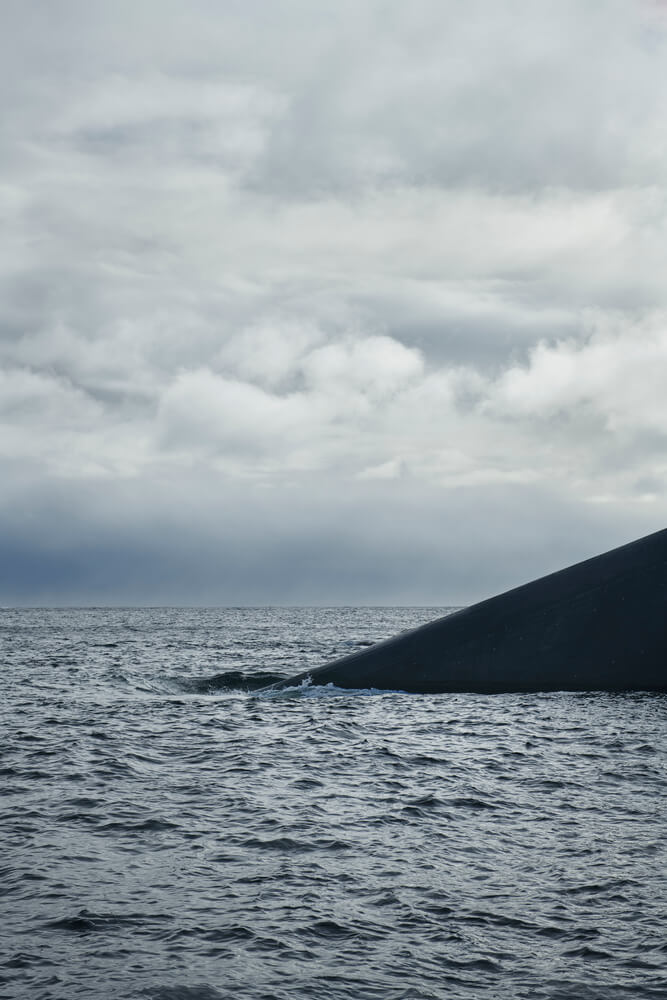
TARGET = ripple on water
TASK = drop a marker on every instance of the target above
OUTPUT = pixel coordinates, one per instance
(168, 834)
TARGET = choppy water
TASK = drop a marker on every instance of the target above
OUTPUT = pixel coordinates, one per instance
(166, 836)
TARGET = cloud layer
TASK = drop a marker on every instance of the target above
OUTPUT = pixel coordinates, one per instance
(328, 303)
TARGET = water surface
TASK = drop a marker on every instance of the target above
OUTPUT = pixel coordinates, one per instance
(166, 834)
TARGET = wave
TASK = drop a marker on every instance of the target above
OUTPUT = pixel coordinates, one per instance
(229, 680)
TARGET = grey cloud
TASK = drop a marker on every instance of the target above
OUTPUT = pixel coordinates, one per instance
(482, 325)
(371, 292)
(511, 98)
(215, 542)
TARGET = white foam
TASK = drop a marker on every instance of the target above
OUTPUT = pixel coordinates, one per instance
(306, 689)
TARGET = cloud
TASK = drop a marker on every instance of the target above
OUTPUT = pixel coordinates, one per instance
(616, 375)
(203, 409)
(214, 540)
(397, 270)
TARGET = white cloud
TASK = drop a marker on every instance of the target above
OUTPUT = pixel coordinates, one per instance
(617, 374)
(370, 246)
(393, 469)
(200, 409)
(270, 353)
(372, 367)
(32, 399)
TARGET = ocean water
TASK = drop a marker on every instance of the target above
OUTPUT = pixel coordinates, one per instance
(166, 834)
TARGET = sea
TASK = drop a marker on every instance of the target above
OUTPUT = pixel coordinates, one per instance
(170, 831)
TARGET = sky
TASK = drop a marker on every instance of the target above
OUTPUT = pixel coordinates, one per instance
(353, 302)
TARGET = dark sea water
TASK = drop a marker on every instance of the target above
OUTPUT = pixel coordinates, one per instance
(166, 835)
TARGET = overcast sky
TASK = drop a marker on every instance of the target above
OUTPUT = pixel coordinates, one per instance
(328, 302)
